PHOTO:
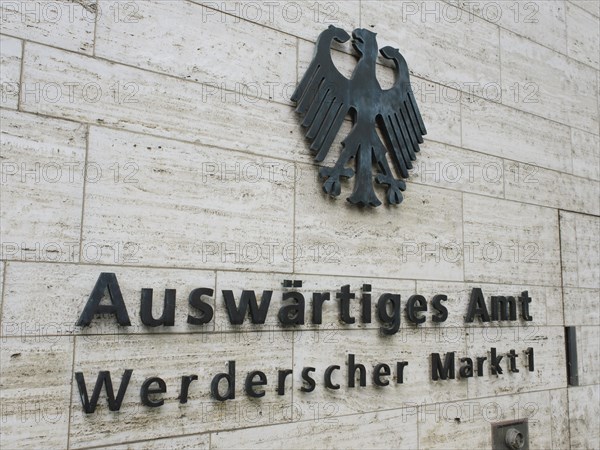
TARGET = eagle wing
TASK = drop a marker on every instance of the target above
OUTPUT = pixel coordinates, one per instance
(399, 117)
(323, 95)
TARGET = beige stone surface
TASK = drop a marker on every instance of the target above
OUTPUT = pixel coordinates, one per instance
(191, 442)
(588, 353)
(580, 306)
(501, 131)
(566, 89)
(252, 61)
(43, 162)
(586, 154)
(184, 205)
(2, 267)
(68, 24)
(452, 52)
(35, 384)
(420, 239)
(532, 184)
(457, 169)
(510, 242)
(190, 169)
(378, 430)
(583, 416)
(52, 302)
(591, 6)
(10, 64)
(443, 425)
(580, 250)
(137, 100)
(559, 418)
(541, 21)
(303, 19)
(583, 36)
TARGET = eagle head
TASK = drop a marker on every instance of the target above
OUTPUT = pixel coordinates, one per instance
(364, 41)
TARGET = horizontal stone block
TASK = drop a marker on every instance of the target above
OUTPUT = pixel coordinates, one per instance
(453, 168)
(370, 349)
(549, 372)
(68, 25)
(586, 154)
(398, 242)
(581, 306)
(302, 19)
(510, 242)
(584, 416)
(185, 205)
(568, 249)
(462, 51)
(10, 64)
(43, 163)
(441, 111)
(170, 358)
(66, 289)
(583, 38)
(441, 426)
(590, 6)
(99, 92)
(563, 89)
(244, 58)
(588, 354)
(501, 131)
(559, 416)
(532, 184)
(192, 442)
(378, 430)
(580, 250)
(540, 21)
(36, 385)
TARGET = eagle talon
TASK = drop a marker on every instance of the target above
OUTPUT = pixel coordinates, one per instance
(332, 184)
(394, 196)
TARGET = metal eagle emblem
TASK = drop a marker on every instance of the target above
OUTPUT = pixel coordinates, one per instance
(324, 97)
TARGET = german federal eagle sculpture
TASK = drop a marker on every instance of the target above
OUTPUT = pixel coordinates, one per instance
(325, 97)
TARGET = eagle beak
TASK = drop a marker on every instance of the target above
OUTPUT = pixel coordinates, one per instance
(357, 38)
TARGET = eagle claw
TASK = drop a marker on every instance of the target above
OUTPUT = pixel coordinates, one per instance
(394, 196)
(332, 184)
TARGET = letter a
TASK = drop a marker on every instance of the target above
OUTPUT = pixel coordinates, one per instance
(106, 282)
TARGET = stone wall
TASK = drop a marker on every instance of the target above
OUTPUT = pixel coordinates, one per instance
(156, 140)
